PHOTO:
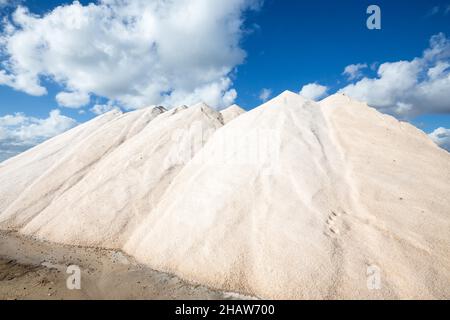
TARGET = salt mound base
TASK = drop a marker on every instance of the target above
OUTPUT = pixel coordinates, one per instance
(293, 199)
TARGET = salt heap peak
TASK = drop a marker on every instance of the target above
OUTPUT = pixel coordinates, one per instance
(231, 113)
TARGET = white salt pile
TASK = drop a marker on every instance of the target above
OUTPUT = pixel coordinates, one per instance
(99, 192)
(231, 112)
(293, 199)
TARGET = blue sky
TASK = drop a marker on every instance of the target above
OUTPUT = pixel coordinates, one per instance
(307, 41)
(287, 44)
(312, 41)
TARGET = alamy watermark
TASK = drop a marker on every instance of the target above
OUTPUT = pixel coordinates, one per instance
(258, 148)
(373, 277)
(374, 20)
(73, 282)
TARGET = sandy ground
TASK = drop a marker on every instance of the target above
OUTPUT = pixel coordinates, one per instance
(37, 270)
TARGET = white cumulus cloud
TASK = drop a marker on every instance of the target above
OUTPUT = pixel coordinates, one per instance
(72, 99)
(99, 109)
(354, 71)
(410, 88)
(314, 91)
(19, 132)
(136, 53)
(441, 136)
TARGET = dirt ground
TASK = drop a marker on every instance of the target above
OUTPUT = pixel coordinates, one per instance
(31, 269)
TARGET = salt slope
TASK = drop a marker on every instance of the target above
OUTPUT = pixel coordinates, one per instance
(97, 194)
(353, 191)
(84, 152)
(402, 198)
(19, 172)
(231, 113)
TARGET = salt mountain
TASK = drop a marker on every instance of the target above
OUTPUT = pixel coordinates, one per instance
(294, 199)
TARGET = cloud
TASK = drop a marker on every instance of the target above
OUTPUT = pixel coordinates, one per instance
(437, 9)
(433, 11)
(441, 136)
(9, 3)
(216, 94)
(72, 99)
(313, 91)
(354, 71)
(99, 109)
(19, 132)
(265, 94)
(410, 88)
(136, 53)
